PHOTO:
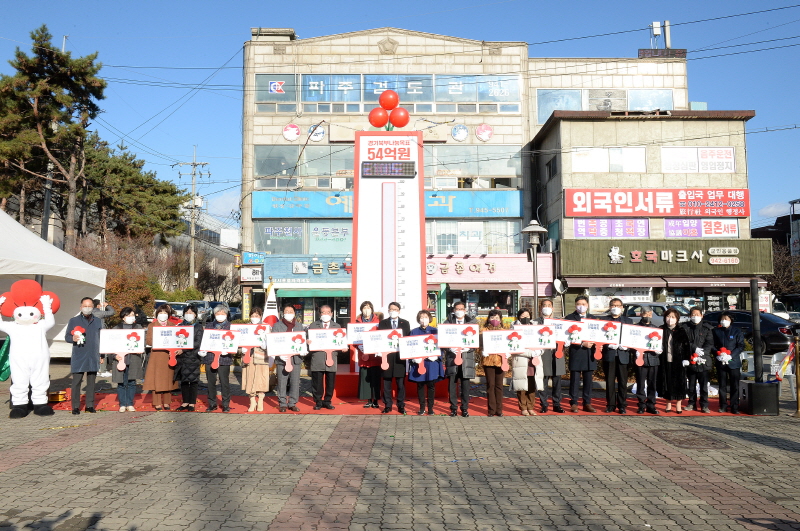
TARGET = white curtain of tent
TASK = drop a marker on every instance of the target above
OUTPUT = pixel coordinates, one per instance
(24, 255)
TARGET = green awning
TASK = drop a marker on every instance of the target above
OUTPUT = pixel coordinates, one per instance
(312, 292)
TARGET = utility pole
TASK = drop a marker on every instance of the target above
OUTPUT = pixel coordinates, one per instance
(192, 218)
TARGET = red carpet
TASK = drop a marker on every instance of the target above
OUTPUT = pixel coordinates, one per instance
(348, 406)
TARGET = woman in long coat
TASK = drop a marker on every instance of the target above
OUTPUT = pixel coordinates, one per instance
(126, 379)
(187, 371)
(552, 367)
(527, 377)
(434, 370)
(159, 378)
(369, 370)
(673, 359)
(255, 375)
(492, 368)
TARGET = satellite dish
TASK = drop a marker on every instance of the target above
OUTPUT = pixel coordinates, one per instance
(560, 286)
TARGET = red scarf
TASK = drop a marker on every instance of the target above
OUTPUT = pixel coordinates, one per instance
(289, 324)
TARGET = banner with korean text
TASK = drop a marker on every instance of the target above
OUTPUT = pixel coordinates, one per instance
(657, 202)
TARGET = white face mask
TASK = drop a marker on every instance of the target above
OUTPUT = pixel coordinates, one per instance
(394, 314)
(547, 311)
(130, 319)
(326, 318)
(423, 322)
(725, 323)
(670, 321)
(696, 319)
(221, 317)
(255, 320)
(616, 311)
(288, 316)
(366, 312)
(581, 308)
(86, 310)
(460, 314)
(162, 317)
(188, 317)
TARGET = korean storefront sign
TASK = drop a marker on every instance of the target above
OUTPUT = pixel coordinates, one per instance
(306, 269)
(701, 228)
(705, 159)
(666, 257)
(656, 202)
(611, 228)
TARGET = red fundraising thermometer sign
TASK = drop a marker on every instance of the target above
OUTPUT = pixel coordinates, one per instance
(389, 219)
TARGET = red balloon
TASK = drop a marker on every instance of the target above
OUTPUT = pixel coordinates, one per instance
(378, 117)
(399, 117)
(389, 99)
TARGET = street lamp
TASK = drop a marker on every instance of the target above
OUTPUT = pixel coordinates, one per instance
(534, 232)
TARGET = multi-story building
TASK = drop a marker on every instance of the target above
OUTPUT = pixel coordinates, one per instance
(479, 105)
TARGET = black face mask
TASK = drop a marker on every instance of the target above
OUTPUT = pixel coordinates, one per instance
(645, 320)
(525, 320)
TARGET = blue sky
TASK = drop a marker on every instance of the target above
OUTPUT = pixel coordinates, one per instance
(163, 124)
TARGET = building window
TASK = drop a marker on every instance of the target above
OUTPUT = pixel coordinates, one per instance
(276, 166)
(472, 166)
(318, 167)
(551, 168)
(315, 236)
(473, 237)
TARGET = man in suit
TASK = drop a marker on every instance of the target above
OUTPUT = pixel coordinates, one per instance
(459, 374)
(323, 376)
(289, 382)
(701, 342)
(581, 361)
(397, 367)
(615, 363)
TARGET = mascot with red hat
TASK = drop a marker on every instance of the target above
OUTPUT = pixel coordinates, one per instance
(29, 355)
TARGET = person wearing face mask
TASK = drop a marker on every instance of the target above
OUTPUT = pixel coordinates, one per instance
(581, 360)
(434, 371)
(323, 376)
(187, 370)
(615, 363)
(397, 367)
(729, 365)
(552, 367)
(288, 382)
(223, 372)
(85, 353)
(369, 370)
(647, 374)
(159, 378)
(126, 379)
(255, 375)
(492, 368)
(459, 375)
(701, 342)
(672, 362)
(526, 376)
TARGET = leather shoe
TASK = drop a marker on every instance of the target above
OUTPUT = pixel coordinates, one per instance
(653, 411)
(368, 404)
(401, 410)
(430, 412)
(609, 409)
(226, 409)
(734, 411)
(282, 409)
(454, 413)
(421, 412)
(294, 408)
(544, 410)
(317, 407)
(90, 410)
(328, 406)
(465, 414)
(639, 410)
(622, 411)
(574, 408)
(558, 409)
(387, 410)
(589, 408)
(76, 411)
(209, 409)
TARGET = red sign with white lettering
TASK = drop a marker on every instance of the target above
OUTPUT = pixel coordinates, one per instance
(656, 202)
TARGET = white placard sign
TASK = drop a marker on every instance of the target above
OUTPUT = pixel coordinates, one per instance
(641, 337)
(223, 341)
(173, 337)
(354, 331)
(535, 337)
(458, 336)
(287, 343)
(601, 332)
(421, 346)
(119, 341)
(381, 341)
(252, 335)
(326, 339)
(501, 342)
(389, 219)
(564, 330)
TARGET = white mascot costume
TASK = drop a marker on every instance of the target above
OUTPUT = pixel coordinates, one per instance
(29, 355)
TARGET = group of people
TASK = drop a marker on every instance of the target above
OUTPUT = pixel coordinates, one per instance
(677, 371)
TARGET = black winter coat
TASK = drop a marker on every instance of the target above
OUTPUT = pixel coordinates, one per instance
(188, 368)
(580, 358)
(699, 336)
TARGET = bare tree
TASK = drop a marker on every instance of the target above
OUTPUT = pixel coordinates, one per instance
(783, 280)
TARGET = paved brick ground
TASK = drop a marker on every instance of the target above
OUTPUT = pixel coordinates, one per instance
(165, 471)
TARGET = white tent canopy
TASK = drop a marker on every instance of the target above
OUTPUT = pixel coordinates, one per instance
(24, 255)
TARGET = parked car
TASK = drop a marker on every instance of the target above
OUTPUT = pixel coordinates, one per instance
(203, 309)
(776, 332)
(794, 317)
(235, 313)
(634, 310)
(178, 307)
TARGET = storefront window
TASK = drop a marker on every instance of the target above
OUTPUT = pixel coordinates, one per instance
(473, 237)
(330, 237)
(278, 237)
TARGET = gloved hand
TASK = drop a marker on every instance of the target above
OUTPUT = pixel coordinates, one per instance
(622, 348)
(202, 353)
(701, 360)
(699, 351)
(685, 363)
(613, 347)
(432, 358)
(659, 351)
(720, 357)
